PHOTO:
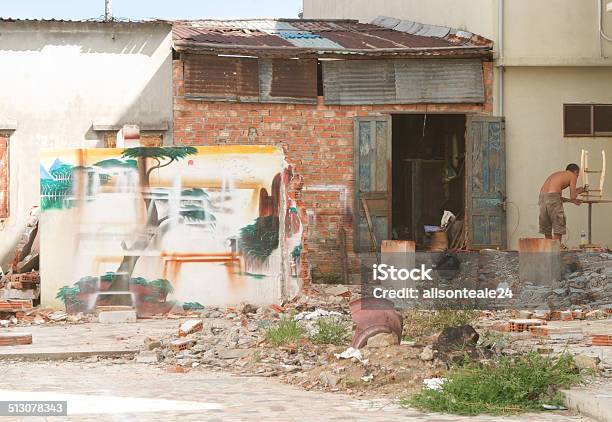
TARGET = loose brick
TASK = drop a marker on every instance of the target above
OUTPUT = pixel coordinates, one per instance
(181, 344)
(13, 339)
(190, 326)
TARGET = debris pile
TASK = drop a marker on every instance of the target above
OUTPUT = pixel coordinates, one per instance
(27, 316)
(20, 285)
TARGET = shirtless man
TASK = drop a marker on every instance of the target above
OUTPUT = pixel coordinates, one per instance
(552, 216)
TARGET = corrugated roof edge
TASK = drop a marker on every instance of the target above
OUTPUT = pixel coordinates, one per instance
(213, 49)
(423, 29)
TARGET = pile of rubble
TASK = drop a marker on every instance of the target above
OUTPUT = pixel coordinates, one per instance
(20, 285)
(28, 317)
(234, 340)
(586, 282)
(580, 333)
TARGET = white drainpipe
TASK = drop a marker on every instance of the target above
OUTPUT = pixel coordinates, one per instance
(602, 33)
(500, 58)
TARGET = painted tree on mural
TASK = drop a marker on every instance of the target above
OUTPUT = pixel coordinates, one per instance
(194, 205)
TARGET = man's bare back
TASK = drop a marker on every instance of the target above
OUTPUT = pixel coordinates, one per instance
(558, 181)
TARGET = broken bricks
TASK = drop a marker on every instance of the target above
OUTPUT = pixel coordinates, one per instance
(601, 340)
(190, 326)
(520, 325)
(14, 305)
(181, 344)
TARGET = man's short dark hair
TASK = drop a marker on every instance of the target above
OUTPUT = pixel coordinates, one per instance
(573, 167)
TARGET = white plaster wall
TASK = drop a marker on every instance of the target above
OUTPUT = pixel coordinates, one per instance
(536, 146)
(59, 78)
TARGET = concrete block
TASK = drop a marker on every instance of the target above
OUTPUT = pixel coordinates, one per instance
(147, 356)
(594, 403)
(539, 261)
(232, 353)
(117, 317)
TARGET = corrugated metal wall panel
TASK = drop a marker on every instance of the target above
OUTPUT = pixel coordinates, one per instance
(285, 80)
(359, 82)
(439, 81)
(403, 81)
(221, 78)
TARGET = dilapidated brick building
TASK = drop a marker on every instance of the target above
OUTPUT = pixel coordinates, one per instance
(383, 112)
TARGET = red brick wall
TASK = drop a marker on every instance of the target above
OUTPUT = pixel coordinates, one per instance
(318, 143)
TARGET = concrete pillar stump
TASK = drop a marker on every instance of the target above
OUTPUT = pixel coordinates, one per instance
(539, 261)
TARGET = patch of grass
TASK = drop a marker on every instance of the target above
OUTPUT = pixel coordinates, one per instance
(352, 382)
(286, 331)
(418, 323)
(502, 386)
(331, 331)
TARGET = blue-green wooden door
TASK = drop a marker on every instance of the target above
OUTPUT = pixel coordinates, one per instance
(372, 169)
(486, 182)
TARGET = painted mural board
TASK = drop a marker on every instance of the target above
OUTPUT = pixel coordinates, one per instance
(166, 226)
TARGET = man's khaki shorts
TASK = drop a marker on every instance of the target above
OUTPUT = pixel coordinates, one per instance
(552, 216)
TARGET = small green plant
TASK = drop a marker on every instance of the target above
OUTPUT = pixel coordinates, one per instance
(286, 331)
(330, 331)
(504, 385)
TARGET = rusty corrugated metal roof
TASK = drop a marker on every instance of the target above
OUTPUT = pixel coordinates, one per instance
(294, 36)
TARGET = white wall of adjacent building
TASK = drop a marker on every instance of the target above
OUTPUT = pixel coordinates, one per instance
(61, 80)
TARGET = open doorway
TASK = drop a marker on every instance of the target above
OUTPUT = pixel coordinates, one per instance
(428, 163)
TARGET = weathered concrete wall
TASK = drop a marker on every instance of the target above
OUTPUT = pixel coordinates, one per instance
(318, 143)
(58, 79)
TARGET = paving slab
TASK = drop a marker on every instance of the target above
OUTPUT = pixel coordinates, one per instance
(149, 393)
(61, 341)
